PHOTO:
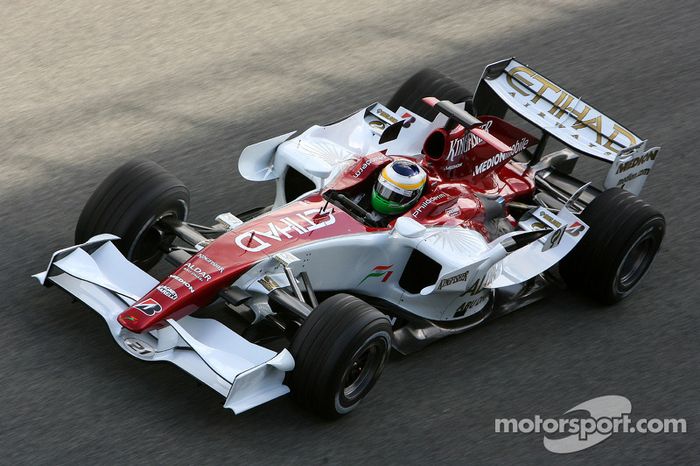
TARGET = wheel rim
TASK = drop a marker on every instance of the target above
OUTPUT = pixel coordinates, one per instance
(147, 244)
(362, 372)
(636, 261)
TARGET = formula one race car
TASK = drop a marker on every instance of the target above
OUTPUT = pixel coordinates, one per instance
(392, 227)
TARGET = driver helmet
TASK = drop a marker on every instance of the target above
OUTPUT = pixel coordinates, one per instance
(398, 187)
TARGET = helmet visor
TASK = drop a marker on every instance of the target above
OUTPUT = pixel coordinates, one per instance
(395, 194)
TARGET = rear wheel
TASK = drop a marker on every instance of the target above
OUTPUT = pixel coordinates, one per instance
(339, 354)
(612, 258)
(429, 83)
(128, 203)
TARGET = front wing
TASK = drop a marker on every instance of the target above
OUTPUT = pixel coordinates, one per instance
(99, 275)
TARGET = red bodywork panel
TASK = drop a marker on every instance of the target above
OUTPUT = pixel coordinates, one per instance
(197, 282)
(454, 179)
(461, 154)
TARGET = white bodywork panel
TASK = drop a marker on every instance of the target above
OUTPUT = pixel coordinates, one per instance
(368, 264)
(631, 167)
(371, 264)
(256, 162)
(245, 373)
(533, 259)
(333, 146)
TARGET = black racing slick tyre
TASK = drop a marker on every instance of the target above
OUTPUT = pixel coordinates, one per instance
(128, 203)
(612, 258)
(429, 83)
(339, 354)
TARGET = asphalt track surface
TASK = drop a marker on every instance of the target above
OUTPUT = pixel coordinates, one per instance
(87, 85)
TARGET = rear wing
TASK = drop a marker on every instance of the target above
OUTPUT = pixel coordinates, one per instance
(511, 84)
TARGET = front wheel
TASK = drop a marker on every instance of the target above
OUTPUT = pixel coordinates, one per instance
(128, 203)
(339, 354)
(612, 258)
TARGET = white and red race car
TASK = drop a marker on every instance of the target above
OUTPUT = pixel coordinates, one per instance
(498, 222)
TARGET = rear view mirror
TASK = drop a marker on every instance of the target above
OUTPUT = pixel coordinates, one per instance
(408, 228)
(319, 168)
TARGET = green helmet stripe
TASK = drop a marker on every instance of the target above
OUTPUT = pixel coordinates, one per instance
(386, 207)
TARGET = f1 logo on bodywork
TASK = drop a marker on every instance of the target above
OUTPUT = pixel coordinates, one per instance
(575, 229)
(149, 306)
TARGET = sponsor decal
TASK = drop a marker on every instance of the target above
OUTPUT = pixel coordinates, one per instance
(382, 114)
(131, 318)
(462, 277)
(183, 282)
(453, 211)
(379, 271)
(629, 178)
(427, 202)
(518, 146)
(466, 142)
(549, 219)
(649, 155)
(408, 119)
(368, 163)
(476, 287)
(167, 291)
(553, 239)
(149, 306)
(377, 124)
(219, 268)
(575, 229)
(631, 167)
(470, 307)
(521, 78)
(281, 230)
(197, 272)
